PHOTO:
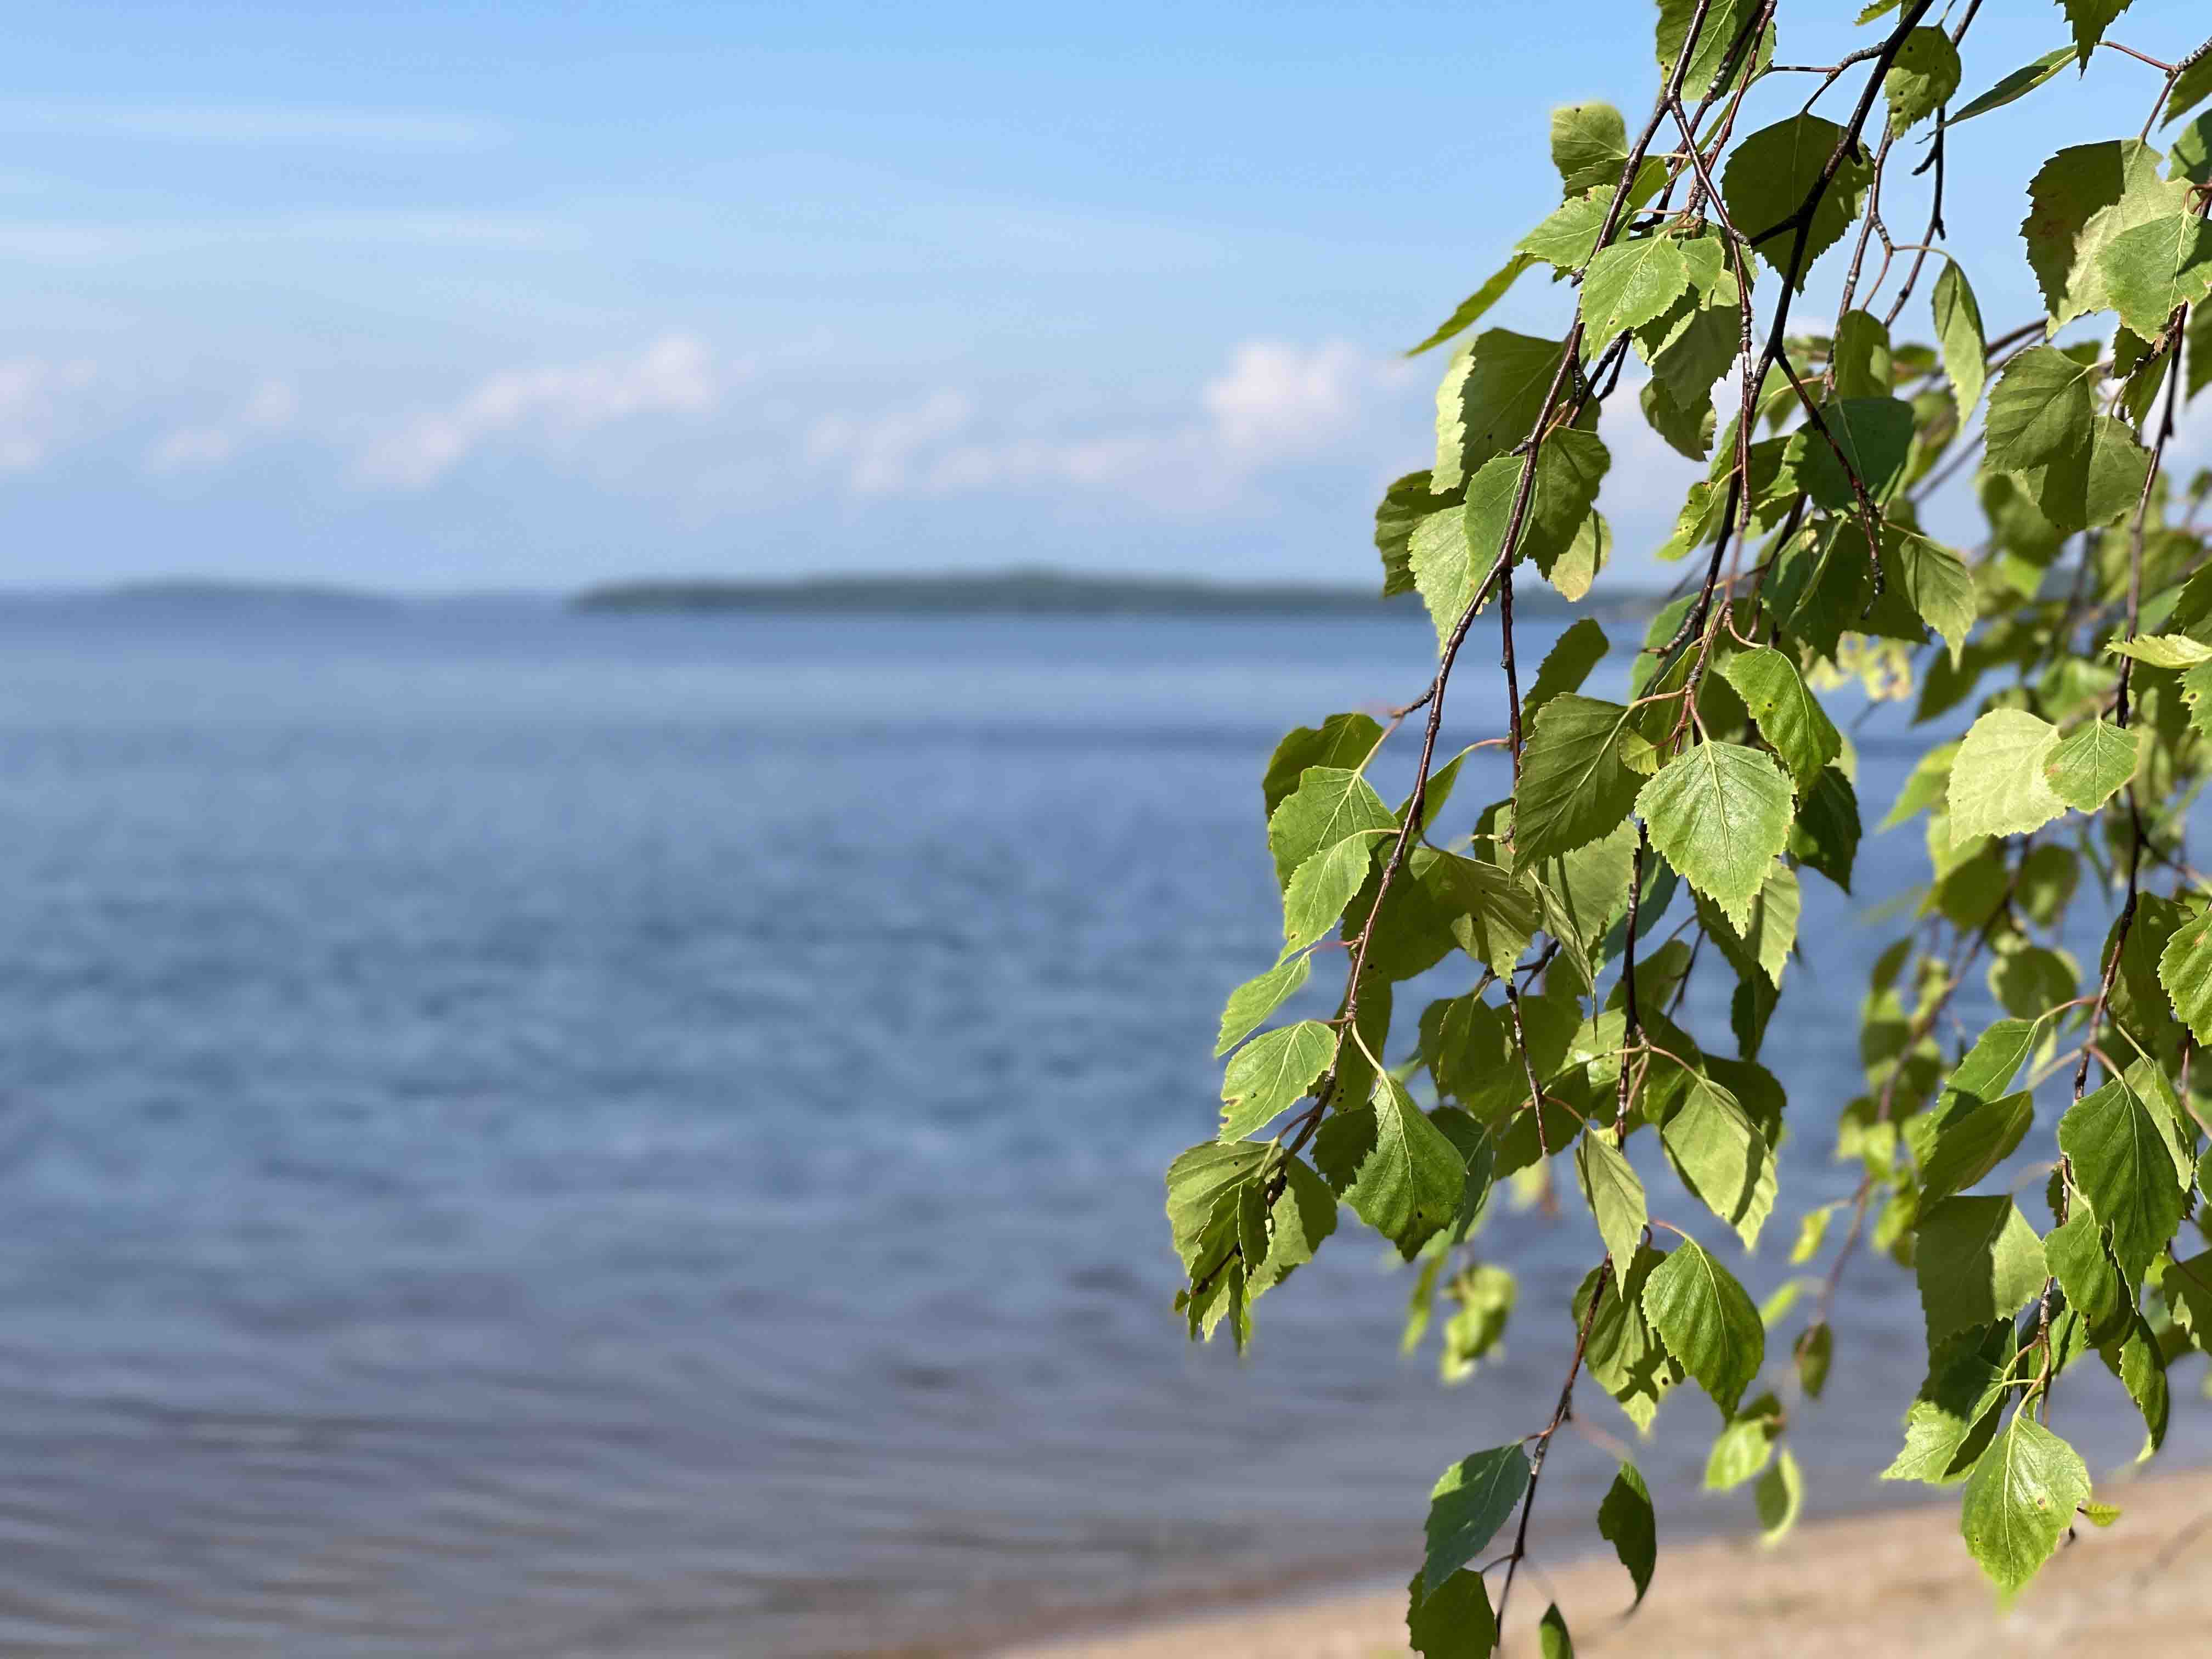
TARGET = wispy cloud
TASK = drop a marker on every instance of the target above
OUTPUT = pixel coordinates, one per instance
(37, 399)
(1277, 403)
(219, 123)
(676, 374)
(270, 410)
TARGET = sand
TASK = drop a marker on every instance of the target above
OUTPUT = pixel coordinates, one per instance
(1868, 1587)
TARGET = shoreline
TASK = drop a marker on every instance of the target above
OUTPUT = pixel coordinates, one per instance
(1882, 1582)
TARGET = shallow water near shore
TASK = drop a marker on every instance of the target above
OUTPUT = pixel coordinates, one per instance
(524, 1134)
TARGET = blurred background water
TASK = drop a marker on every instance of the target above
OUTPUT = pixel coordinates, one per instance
(527, 1133)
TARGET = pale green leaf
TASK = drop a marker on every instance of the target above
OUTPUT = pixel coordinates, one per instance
(1271, 1071)
(2040, 408)
(1936, 584)
(1341, 740)
(1330, 803)
(1741, 1448)
(1471, 309)
(1958, 331)
(1724, 21)
(1788, 716)
(1613, 1192)
(2151, 268)
(1321, 886)
(1552, 1641)
(1254, 1000)
(1567, 236)
(2089, 767)
(1956, 1412)
(1977, 1259)
(2018, 84)
(1629, 284)
(2163, 650)
(1998, 787)
(1995, 1060)
(2098, 483)
(2019, 1500)
(1720, 814)
(1437, 559)
(1707, 1322)
(1721, 1156)
(2082, 200)
(1489, 913)
(2184, 968)
(1812, 1229)
(1471, 1500)
(1922, 77)
(1589, 145)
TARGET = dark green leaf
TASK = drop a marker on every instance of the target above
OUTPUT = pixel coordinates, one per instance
(2018, 84)
(1626, 1520)
(1453, 1621)
(2123, 1164)
(1977, 1259)
(1470, 1502)
(1575, 786)
(1789, 717)
(1772, 173)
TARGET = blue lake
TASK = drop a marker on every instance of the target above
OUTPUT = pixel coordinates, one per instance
(526, 1134)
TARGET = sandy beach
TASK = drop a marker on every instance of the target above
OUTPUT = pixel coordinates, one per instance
(1881, 1585)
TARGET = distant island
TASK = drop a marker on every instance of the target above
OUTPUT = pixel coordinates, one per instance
(1016, 592)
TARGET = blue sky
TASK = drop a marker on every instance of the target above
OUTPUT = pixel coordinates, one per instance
(527, 295)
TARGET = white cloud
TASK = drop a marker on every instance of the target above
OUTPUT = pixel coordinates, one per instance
(36, 394)
(269, 410)
(676, 374)
(1276, 403)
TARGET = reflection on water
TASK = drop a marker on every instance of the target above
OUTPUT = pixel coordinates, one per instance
(524, 1135)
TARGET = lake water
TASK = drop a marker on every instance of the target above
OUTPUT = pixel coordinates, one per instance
(526, 1134)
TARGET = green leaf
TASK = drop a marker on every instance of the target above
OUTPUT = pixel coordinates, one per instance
(1780, 1492)
(1688, 429)
(2184, 968)
(1958, 331)
(1199, 1182)
(1440, 564)
(1724, 21)
(1492, 914)
(1271, 1071)
(2096, 484)
(1814, 1352)
(1471, 309)
(1613, 1192)
(1471, 1500)
(2191, 87)
(1707, 1321)
(1936, 584)
(1973, 1137)
(1566, 664)
(1323, 886)
(2163, 650)
(2090, 19)
(1977, 1259)
(1574, 786)
(1589, 145)
(1956, 1412)
(1721, 1156)
(1788, 716)
(1995, 1060)
(1629, 284)
(1863, 360)
(1489, 401)
(2089, 767)
(1453, 1621)
(1403, 505)
(1763, 946)
(1625, 1355)
(2083, 1265)
(2124, 1165)
(1552, 1641)
(1826, 836)
(2040, 410)
(2019, 1500)
(1567, 236)
(2152, 268)
(1275, 1239)
(1330, 803)
(2079, 201)
(2018, 84)
(1998, 786)
(1626, 1520)
(1343, 740)
(2139, 1361)
(1741, 1448)
(1771, 173)
(1410, 1183)
(1874, 433)
(1922, 78)
(1255, 998)
(1719, 814)
(1570, 466)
